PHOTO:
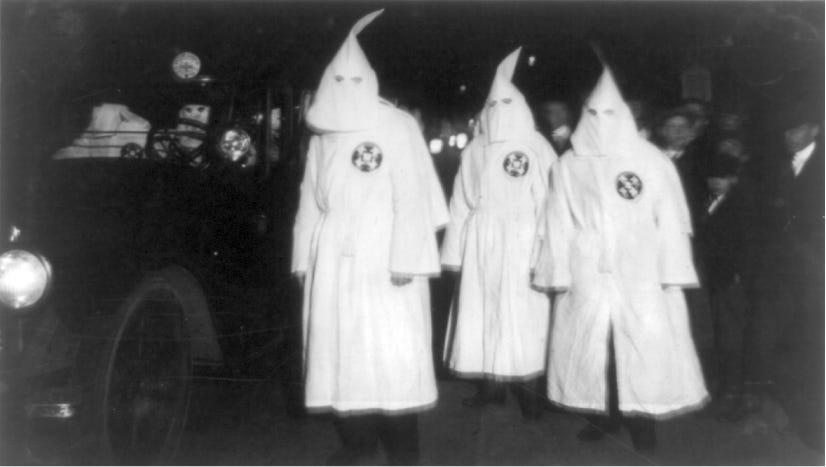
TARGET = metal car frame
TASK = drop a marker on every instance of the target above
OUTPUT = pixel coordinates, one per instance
(163, 270)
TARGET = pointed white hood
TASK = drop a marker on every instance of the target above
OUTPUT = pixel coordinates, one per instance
(607, 127)
(347, 98)
(506, 114)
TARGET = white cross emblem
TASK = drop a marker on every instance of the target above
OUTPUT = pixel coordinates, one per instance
(629, 185)
(516, 164)
(367, 157)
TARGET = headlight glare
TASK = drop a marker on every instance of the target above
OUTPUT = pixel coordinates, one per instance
(24, 278)
(235, 144)
(436, 145)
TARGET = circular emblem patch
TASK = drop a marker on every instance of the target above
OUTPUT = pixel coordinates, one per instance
(367, 157)
(516, 164)
(629, 185)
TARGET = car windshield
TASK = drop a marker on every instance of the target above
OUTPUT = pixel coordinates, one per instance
(161, 104)
(168, 121)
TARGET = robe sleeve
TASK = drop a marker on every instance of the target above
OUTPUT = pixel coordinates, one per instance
(308, 212)
(438, 213)
(552, 270)
(675, 264)
(417, 210)
(539, 191)
(453, 245)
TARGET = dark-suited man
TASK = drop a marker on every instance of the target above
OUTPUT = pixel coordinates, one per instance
(790, 284)
(725, 243)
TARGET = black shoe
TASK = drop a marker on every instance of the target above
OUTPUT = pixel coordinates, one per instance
(644, 438)
(595, 430)
(530, 401)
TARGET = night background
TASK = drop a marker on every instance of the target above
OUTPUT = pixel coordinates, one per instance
(422, 51)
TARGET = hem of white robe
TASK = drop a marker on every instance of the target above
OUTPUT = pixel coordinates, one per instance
(659, 412)
(365, 408)
(680, 285)
(498, 376)
(428, 275)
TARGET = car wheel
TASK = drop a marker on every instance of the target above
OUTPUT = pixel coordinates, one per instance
(141, 373)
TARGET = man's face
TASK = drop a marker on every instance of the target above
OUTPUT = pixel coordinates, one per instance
(700, 113)
(556, 114)
(728, 121)
(799, 137)
(732, 147)
(677, 132)
(720, 185)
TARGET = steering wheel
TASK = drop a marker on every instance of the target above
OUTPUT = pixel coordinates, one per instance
(165, 144)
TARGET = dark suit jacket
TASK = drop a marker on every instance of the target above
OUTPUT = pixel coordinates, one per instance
(792, 210)
(725, 239)
(692, 169)
(805, 207)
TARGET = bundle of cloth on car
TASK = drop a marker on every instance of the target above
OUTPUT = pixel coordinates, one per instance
(113, 129)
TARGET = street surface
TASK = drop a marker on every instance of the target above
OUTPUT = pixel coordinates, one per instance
(249, 426)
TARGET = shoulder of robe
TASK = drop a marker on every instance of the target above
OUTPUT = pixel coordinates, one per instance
(475, 148)
(544, 145)
(660, 166)
(394, 117)
(653, 153)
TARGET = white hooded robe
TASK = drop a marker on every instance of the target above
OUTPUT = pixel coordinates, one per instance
(370, 205)
(498, 325)
(617, 250)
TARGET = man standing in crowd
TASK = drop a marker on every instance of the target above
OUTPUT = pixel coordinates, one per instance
(364, 246)
(555, 124)
(616, 253)
(499, 324)
(725, 240)
(674, 136)
(789, 291)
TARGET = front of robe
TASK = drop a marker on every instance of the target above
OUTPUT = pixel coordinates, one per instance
(498, 324)
(617, 249)
(368, 209)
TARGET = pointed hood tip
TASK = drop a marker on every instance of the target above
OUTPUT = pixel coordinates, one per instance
(364, 22)
(606, 89)
(512, 119)
(507, 67)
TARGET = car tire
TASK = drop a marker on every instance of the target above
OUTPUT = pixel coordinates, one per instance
(136, 370)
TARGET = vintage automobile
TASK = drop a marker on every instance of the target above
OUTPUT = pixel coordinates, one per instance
(153, 249)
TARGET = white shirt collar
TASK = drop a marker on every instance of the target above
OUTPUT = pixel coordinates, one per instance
(561, 132)
(674, 154)
(715, 202)
(800, 158)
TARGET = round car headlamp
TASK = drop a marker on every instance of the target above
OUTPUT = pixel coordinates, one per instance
(234, 144)
(24, 278)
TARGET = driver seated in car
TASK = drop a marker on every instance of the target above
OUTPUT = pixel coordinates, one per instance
(192, 123)
(188, 135)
